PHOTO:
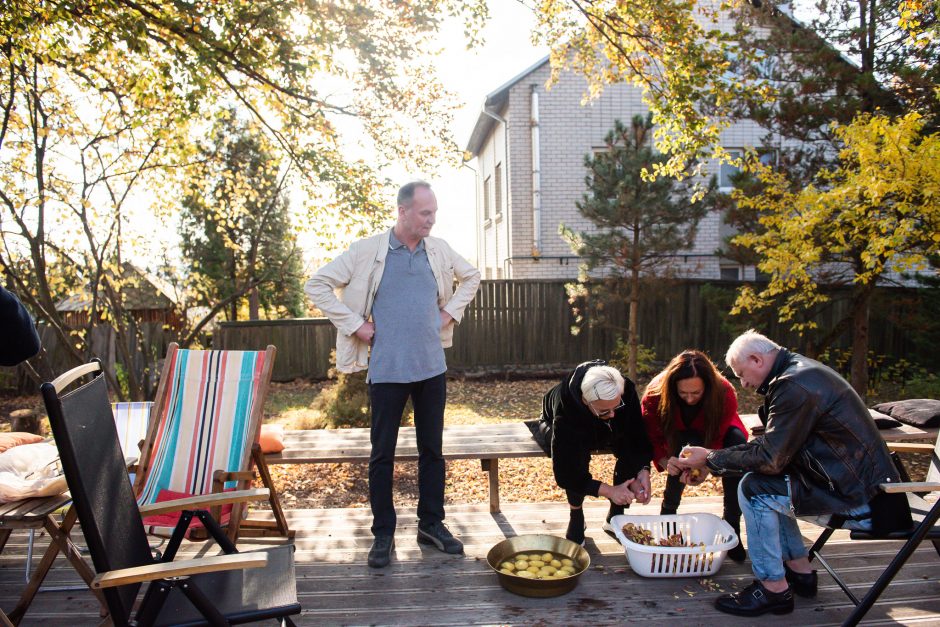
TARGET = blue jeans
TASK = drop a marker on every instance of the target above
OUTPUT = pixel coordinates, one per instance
(772, 531)
(388, 402)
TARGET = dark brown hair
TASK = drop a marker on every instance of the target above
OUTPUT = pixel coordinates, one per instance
(687, 365)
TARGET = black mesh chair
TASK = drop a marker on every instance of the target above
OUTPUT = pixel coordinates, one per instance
(924, 514)
(224, 589)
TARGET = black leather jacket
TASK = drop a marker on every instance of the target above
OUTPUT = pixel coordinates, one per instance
(819, 432)
(568, 431)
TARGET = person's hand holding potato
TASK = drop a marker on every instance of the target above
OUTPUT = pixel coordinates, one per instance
(690, 465)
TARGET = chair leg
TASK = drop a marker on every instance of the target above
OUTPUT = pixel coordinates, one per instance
(59, 541)
(203, 604)
(820, 542)
(903, 555)
(273, 499)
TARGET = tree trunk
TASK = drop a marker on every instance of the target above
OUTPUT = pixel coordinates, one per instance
(632, 331)
(254, 304)
(860, 341)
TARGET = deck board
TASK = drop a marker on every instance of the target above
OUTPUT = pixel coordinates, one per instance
(425, 587)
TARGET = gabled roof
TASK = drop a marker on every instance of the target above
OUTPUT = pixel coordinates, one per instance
(495, 101)
(140, 293)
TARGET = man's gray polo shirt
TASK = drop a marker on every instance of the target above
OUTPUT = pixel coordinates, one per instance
(407, 343)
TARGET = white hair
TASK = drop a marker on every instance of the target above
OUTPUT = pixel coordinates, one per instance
(602, 383)
(749, 343)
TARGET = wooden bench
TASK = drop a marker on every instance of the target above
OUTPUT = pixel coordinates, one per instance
(487, 442)
(896, 434)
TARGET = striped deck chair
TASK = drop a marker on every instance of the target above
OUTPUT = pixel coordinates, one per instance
(203, 435)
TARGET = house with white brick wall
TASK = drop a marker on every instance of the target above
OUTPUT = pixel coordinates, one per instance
(529, 144)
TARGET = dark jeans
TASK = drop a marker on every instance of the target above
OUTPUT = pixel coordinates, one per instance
(729, 485)
(388, 402)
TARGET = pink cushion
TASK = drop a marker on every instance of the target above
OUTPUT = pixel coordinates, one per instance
(15, 438)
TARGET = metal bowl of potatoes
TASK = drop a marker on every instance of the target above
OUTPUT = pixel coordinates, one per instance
(546, 580)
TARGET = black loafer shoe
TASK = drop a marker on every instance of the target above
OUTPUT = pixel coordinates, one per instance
(381, 552)
(755, 600)
(575, 531)
(803, 584)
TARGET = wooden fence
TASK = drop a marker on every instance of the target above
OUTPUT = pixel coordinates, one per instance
(527, 325)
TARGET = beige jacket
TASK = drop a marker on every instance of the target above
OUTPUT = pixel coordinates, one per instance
(357, 273)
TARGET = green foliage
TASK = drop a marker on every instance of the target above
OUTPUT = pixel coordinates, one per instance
(646, 363)
(890, 378)
(235, 228)
(346, 403)
(637, 226)
(104, 99)
(674, 50)
(876, 212)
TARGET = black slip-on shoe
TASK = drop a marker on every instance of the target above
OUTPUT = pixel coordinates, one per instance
(755, 600)
(381, 552)
(803, 584)
(439, 535)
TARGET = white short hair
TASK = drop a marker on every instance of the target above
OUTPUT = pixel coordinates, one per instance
(749, 343)
(602, 383)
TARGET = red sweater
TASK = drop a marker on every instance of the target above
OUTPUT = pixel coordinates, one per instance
(650, 407)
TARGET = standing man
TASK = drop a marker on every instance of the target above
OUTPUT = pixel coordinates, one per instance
(398, 297)
(820, 455)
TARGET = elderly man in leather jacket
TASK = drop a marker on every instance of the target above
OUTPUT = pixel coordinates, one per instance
(821, 454)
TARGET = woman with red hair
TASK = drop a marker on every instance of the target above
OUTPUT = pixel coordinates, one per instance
(690, 403)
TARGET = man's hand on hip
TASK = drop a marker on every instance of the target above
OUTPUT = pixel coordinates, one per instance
(366, 332)
(446, 318)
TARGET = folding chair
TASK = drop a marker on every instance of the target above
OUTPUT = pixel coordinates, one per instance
(924, 513)
(130, 419)
(203, 435)
(223, 589)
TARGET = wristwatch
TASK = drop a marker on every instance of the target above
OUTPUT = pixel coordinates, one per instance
(646, 468)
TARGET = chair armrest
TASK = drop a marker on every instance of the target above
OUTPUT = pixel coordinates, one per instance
(235, 475)
(150, 572)
(205, 501)
(893, 488)
(910, 447)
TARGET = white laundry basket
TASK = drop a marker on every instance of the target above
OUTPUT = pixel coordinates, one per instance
(689, 561)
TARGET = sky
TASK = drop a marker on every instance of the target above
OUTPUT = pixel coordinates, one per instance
(471, 75)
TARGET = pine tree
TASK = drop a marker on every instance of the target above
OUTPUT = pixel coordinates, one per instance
(639, 224)
(235, 227)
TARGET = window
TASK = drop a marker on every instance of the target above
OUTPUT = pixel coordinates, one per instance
(728, 171)
(486, 198)
(730, 273)
(498, 189)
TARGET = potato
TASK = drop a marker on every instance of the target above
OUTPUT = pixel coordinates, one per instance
(507, 566)
(555, 563)
(533, 569)
(547, 557)
(566, 562)
(521, 564)
(525, 574)
(506, 571)
(538, 563)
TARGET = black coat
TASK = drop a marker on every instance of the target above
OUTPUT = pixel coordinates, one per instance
(819, 432)
(568, 431)
(18, 339)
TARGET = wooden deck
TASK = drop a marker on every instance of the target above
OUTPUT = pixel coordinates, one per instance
(425, 587)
